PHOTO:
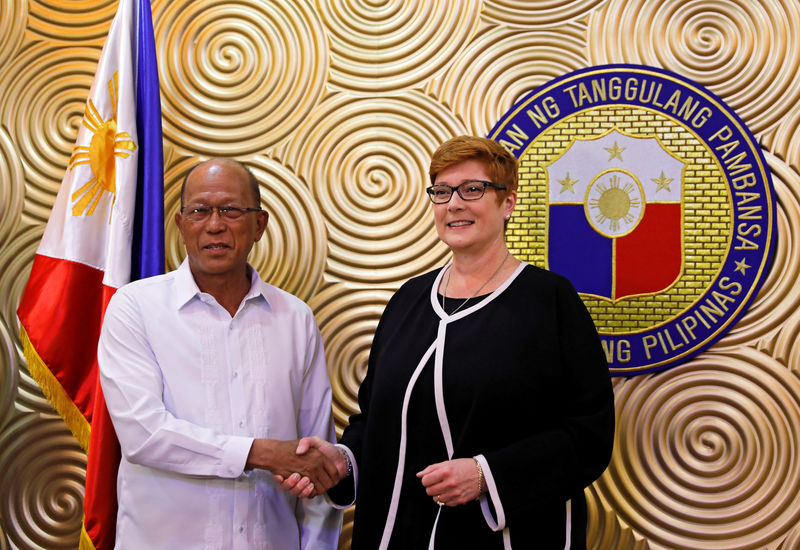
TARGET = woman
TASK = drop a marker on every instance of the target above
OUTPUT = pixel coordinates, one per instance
(487, 406)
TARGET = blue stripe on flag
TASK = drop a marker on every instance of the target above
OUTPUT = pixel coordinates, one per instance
(148, 228)
(577, 251)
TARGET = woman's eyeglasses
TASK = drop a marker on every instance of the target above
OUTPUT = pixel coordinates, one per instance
(470, 190)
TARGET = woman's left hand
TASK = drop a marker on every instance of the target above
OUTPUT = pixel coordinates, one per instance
(453, 482)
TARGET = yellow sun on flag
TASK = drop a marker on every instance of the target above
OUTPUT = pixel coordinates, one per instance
(614, 203)
(105, 144)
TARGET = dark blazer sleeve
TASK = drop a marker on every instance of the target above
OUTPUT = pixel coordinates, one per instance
(573, 446)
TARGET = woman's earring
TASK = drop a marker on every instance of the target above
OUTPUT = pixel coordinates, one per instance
(508, 216)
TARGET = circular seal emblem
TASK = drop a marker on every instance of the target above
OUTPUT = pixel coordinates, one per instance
(649, 193)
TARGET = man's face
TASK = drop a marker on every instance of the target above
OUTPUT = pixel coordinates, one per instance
(218, 247)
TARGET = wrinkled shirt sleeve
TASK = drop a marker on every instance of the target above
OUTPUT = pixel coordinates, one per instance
(149, 434)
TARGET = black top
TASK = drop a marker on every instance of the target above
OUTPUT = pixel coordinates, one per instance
(524, 383)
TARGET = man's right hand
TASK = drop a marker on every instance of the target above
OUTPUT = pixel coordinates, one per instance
(284, 460)
(303, 486)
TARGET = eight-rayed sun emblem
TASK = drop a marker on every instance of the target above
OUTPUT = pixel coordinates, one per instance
(614, 203)
(106, 143)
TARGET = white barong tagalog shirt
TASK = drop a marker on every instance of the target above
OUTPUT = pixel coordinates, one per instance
(188, 388)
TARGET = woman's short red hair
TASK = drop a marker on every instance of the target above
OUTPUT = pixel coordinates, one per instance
(500, 164)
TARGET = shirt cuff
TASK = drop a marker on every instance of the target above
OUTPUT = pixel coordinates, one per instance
(234, 457)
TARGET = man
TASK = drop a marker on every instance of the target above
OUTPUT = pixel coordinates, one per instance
(209, 375)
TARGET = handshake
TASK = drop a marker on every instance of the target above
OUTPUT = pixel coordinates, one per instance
(305, 468)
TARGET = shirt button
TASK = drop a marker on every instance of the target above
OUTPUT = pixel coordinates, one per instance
(241, 423)
(235, 373)
(241, 528)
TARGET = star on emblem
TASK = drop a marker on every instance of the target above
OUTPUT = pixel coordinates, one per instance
(741, 266)
(616, 151)
(567, 183)
(662, 181)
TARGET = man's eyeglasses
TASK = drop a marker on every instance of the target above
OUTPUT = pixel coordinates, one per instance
(470, 190)
(203, 213)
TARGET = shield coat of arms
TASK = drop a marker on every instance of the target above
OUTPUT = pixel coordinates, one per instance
(614, 203)
(651, 196)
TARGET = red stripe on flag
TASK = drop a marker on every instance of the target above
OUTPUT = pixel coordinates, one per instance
(648, 260)
(100, 500)
(62, 310)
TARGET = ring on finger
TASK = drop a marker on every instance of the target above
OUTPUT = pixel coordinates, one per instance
(439, 502)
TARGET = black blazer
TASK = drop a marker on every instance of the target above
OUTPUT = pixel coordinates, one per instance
(525, 384)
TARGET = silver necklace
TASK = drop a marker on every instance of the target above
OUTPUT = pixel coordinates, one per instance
(447, 282)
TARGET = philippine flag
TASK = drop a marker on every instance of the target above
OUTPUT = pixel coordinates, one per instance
(106, 228)
(615, 215)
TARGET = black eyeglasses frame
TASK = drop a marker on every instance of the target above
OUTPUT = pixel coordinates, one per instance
(222, 211)
(457, 189)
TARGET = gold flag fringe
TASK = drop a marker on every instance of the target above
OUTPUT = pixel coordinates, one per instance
(55, 393)
(85, 542)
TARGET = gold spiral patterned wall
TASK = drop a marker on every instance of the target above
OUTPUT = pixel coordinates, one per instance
(347, 333)
(78, 23)
(702, 444)
(44, 94)
(380, 47)
(502, 64)
(42, 483)
(779, 299)
(237, 78)
(543, 13)
(336, 105)
(720, 44)
(370, 182)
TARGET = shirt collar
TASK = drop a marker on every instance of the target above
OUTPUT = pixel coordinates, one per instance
(187, 289)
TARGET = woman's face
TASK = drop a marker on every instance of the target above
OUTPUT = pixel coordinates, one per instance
(476, 225)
